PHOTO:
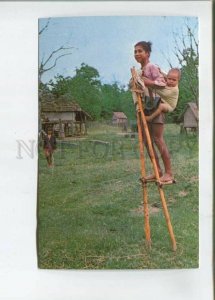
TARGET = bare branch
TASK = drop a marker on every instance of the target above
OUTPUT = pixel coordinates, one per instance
(48, 64)
(55, 51)
(45, 27)
(186, 51)
(167, 59)
(43, 70)
(194, 40)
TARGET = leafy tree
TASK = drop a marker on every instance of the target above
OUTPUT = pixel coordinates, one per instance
(89, 74)
(84, 88)
(127, 104)
(116, 98)
(60, 85)
(110, 100)
(187, 54)
(188, 59)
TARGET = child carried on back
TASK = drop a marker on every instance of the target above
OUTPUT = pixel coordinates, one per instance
(169, 92)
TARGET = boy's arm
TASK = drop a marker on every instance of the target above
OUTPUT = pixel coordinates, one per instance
(148, 82)
(158, 78)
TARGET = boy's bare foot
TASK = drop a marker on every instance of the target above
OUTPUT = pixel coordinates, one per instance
(166, 177)
(152, 176)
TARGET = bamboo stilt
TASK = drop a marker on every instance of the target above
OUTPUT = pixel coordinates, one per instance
(154, 164)
(145, 193)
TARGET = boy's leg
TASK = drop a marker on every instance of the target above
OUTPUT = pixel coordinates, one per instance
(150, 127)
(48, 155)
(46, 152)
(50, 158)
(163, 107)
(157, 134)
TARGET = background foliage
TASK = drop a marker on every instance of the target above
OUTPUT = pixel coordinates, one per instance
(100, 99)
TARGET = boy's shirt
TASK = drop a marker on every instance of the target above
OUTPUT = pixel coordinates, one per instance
(152, 72)
(50, 143)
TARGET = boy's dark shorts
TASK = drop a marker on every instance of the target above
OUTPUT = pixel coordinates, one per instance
(160, 119)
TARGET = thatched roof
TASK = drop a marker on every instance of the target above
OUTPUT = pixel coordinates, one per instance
(60, 106)
(119, 115)
(194, 109)
(49, 103)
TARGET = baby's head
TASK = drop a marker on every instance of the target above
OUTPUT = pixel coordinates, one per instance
(173, 77)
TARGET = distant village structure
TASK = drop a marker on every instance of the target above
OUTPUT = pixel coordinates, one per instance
(66, 118)
(119, 119)
(190, 117)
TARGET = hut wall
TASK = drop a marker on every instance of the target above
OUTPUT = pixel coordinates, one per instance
(189, 119)
(123, 121)
(114, 120)
(61, 115)
(119, 121)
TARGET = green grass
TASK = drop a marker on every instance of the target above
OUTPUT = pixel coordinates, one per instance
(90, 212)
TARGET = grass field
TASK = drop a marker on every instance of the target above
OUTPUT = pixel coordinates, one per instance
(90, 210)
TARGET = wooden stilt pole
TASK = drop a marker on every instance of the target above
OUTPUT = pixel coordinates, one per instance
(154, 164)
(145, 193)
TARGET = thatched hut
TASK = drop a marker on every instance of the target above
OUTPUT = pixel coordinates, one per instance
(190, 117)
(66, 117)
(119, 119)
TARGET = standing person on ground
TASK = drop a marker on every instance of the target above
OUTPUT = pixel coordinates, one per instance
(49, 146)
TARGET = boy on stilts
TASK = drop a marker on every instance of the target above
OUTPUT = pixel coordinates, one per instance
(152, 81)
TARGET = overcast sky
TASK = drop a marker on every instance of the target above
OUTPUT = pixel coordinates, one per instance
(107, 43)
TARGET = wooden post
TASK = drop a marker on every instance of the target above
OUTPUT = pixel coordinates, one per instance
(154, 164)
